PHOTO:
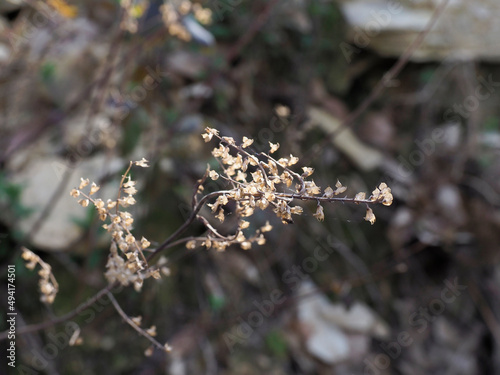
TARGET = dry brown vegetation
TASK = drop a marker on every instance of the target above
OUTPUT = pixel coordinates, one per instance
(252, 264)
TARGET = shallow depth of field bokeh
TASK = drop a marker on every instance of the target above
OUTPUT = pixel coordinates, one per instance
(88, 86)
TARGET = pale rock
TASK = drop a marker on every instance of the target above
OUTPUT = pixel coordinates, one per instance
(40, 178)
(334, 333)
(465, 29)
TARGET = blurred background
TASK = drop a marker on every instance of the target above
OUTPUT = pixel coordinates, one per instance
(87, 86)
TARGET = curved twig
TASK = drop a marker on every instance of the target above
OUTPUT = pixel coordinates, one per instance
(135, 326)
(187, 223)
(43, 325)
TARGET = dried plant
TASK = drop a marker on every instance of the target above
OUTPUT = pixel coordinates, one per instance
(126, 262)
(255, 181)
(48, 283)
(259, 181)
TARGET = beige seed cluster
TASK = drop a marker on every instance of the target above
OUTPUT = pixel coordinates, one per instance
(126, 262)
(258, 181)
(48, 284)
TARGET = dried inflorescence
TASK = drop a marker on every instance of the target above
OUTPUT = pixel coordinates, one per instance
(48, 284)
(260, 181)
(255, 181)
(126, 263)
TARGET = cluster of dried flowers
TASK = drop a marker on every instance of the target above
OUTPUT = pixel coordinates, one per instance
(126, 262)
(256, 181)
(260, 181)
(48, 284)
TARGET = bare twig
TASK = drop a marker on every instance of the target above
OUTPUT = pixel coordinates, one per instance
(187, 223)
(200, 182)
(212, 229)
(135, 326)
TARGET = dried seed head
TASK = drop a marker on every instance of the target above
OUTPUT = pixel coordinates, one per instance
(319, 213)
(370, 216)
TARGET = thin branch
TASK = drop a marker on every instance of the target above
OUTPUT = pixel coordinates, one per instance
(187, 223)
(200, 182)
(135, 326)
(43, 325)
(212, 229)
(325, 199)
